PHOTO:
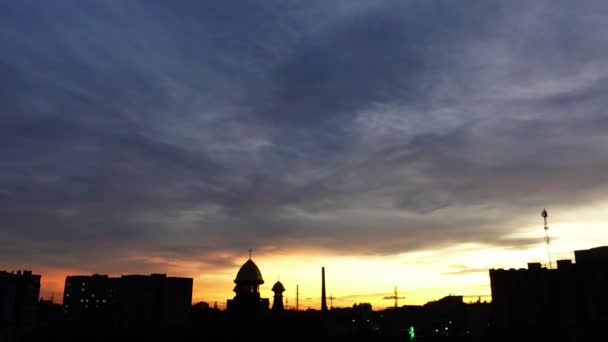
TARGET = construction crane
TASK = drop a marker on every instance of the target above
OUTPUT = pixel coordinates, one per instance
(395, 297)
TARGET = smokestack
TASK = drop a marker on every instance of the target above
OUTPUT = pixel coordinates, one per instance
(297, 297)
(323, 299)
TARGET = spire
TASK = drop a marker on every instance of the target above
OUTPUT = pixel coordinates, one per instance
(249, 253)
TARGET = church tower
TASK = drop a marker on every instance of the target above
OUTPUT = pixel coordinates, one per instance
(278, 289)
(247, 290)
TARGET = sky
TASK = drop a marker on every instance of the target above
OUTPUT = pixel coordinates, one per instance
(395, 143)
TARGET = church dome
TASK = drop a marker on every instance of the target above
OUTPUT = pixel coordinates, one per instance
(249, 273)
(278, 287)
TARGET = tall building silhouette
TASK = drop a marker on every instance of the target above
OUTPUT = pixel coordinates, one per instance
(154, 299)
(90, 298)
(128, 301)
(569, 303)
(19, 292)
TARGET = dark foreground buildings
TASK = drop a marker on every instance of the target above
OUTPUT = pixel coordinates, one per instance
(19, 293)
(569, 303)
(129, 301)
(158, 308)
(248, 317)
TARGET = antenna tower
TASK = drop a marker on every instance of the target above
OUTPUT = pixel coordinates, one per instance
(547, 239)
(331, 301)
(395, 297)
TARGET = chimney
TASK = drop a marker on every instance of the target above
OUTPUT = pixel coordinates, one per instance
(323, 299)
(297, 297)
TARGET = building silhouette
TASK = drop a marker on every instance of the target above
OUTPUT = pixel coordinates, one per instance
(90, 298)
(247, 298)
(19, 292)
(448, 318)
(127, 301)
(154, 299)
(277, 303)
(569, 303)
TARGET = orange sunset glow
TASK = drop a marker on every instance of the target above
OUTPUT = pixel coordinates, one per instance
(397, 144)
(420, 276)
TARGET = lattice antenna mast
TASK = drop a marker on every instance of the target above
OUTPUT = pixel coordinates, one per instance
(331, 301)
(547, 239)
(394, 297)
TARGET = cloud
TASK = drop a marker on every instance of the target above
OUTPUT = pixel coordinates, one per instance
(188, 130)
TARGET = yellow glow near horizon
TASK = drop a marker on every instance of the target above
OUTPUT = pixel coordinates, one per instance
(420, 276)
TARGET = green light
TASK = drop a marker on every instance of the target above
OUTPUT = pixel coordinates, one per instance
(411, 332)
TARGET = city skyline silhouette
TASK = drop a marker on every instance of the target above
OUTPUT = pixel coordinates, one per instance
(397, 143)
(565, 303)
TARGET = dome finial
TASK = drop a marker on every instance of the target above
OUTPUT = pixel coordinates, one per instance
(249, 253)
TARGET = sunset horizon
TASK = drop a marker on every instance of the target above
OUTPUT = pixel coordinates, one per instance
(472, 282)
(407, 144)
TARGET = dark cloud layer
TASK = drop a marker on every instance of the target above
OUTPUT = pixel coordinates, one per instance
(176, 129)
